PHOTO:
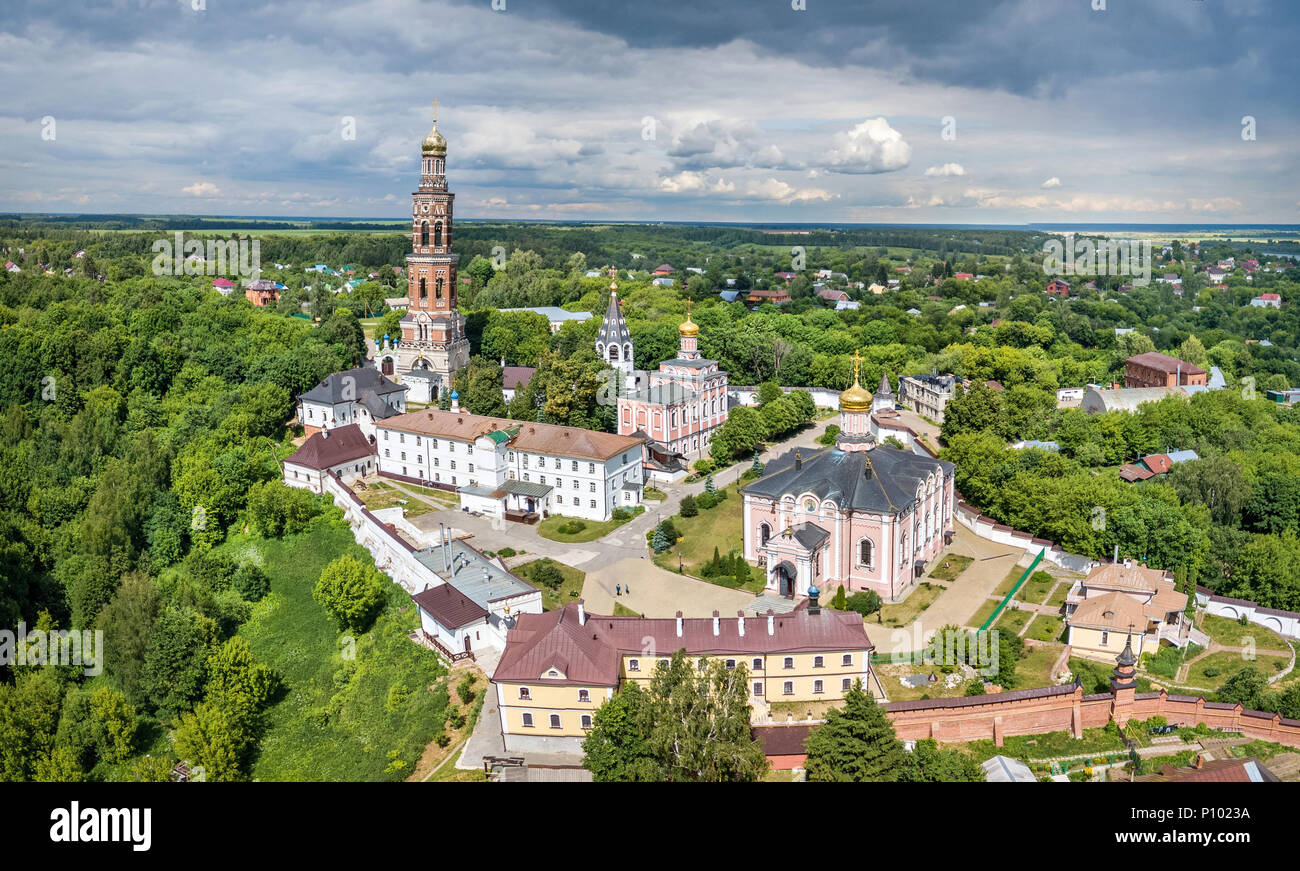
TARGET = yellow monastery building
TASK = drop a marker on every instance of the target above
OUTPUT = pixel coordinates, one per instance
(560, 666)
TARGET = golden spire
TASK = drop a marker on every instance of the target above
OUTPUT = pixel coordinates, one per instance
(856, 398)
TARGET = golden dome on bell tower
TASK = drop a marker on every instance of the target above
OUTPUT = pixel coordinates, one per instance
(435, 142)
(856, 398)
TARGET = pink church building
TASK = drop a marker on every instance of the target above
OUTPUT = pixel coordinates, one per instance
(859, 515)
(681, 408)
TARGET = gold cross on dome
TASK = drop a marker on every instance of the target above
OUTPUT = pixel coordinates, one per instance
(857, 361)
(688, 309)
(435, 108)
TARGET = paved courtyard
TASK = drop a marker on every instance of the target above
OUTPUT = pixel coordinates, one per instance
(657, 592)
(972, 587)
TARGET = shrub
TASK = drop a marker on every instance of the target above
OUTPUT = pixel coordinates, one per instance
(442, 739)
(547, 574)
(506, 551)
(621, 515)
(705, 501)
(688, 508)
(397, 696)
(705, 465)
(865, 602)
(828, 437)
(571, 527)
(251, 582)
(456, 719)
(465, 689)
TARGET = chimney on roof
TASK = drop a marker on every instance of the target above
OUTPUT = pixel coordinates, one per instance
(582, 615)
(740, 623)
(715, 622)
(798, 460)
(679, 624)
(324, 433)
(771, 623)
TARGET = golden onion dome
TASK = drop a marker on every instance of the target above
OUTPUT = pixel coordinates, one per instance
(434, 143)
(689, 329)
(856, 398)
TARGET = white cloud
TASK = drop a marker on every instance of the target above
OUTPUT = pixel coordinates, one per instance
(202, 189)
(778, 191)
(1052, 182)
(946, 169)
(872, 146)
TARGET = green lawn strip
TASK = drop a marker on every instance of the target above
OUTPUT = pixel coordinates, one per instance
(332, 721)
(984, 613)
(568, 591)
(1012, 620)
(621, 610)
(1045, 628)
(903, 613)
(1029, 570)
(1008, 582)
(586, 530)
(950, 567)
(1035, 590)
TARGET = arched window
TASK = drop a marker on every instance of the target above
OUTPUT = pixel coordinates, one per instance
(864, 551)
(764, 533)
(437, 233)
(424, 290)
(424, 232)
(613, 353)
(437, 288)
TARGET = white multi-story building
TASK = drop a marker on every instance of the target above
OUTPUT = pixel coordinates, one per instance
(513, 469)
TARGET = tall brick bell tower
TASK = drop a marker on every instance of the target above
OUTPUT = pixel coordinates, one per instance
(433, 331)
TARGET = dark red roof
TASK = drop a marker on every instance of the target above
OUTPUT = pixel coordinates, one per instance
(591, 653)
(513, 377)
(1164, 363)
(329, 448)
(449, 606)
(782, 740)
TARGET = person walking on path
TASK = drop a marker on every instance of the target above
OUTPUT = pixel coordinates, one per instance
(618, 589)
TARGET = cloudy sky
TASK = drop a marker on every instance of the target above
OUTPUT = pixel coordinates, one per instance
(918, 111)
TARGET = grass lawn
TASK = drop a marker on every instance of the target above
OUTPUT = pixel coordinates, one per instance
(568, 591)
(951, 566)
(1230, 633)
(1035, 670)
(1012, 620)
(654, 493)
(621, 610)
(389, 498)
(1036, 588)
(717, 527)
(1227, 663)
(337, 718)
(909, 609)
(1057, 599)
(985, 612)
(1045, 628)
(591, 529)
(1009, 581)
